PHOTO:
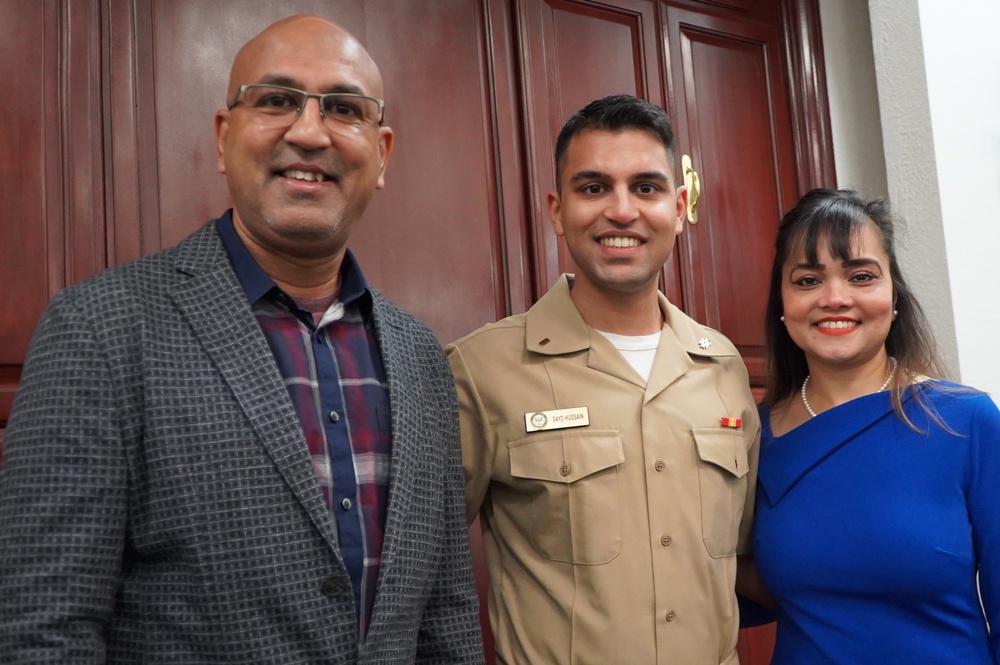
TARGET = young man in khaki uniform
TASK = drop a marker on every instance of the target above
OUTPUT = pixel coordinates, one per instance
(610, 441)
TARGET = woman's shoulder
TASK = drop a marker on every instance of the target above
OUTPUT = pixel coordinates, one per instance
(944, 391)
(959, 406)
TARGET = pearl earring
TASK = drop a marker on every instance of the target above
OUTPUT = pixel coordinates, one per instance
(895, 313)
(782, 318)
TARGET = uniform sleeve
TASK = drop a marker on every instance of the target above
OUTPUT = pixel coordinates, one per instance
(983, 493)
(478, 453)
(449, 631)
(62, 498)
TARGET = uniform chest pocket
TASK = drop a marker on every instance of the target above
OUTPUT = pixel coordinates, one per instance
(570, 483)
(722, 471)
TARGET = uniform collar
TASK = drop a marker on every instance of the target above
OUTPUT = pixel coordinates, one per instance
(553, 326)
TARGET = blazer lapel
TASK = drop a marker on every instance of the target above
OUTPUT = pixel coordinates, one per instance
(397, 353)
(220, 317)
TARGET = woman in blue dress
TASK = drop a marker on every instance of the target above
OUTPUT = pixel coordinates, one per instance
(878, 504)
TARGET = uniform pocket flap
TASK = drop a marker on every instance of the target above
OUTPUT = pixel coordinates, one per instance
(724, 448)
(565, 458)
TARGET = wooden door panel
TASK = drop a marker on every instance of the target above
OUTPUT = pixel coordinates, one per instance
(572, 53)
(756, 645)
(732, 109)
(108, 150)
(433, 236)
(431, 240)
(50, 169)
(32, 254)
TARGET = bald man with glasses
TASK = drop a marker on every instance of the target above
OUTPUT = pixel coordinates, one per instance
(235, 450)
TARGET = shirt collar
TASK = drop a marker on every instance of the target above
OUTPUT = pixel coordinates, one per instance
(256, 283)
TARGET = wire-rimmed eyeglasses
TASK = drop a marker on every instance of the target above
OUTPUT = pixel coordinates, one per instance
(281, 106)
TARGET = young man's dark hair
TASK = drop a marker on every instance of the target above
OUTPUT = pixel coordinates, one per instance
(616, 113)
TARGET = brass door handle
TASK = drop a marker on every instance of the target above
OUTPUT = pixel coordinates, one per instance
(693, 184)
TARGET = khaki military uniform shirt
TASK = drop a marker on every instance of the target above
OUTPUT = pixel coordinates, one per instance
(611, 543)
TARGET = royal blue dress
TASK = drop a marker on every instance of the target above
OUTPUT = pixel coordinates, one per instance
(871, 535)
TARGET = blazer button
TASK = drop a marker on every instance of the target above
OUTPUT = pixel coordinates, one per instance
(333, 586)
(671, 615)
(659, 465)
(564, 469)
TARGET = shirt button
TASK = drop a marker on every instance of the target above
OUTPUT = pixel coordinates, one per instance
(671, 615)
(333, 586)
(334, 417)
(346, 504)
(659, 465)
(665, 541)
(564, 469)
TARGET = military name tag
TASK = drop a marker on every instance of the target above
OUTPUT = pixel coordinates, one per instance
(558, 419)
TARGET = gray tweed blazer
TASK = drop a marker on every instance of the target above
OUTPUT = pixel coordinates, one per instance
(158, 503)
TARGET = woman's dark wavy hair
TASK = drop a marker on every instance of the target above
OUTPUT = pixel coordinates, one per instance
(837, 217)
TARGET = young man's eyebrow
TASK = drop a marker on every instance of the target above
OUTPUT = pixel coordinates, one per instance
(600, 175)
(588, 175)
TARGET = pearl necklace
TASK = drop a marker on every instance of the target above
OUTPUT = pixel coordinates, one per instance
(805, 402)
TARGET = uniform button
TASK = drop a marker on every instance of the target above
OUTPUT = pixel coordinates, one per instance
(334, 417)
(333, 586)
(346, 504)
(659, 465)
(665, 541)
(671, 615)
(564, 469)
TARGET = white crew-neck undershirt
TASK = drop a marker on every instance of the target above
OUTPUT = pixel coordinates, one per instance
(638, 350)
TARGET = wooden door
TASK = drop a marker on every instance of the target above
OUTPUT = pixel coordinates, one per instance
(732, 112)
(431, 240)
(721, 68)
(573, 52)
(52, 232)
(108, 153)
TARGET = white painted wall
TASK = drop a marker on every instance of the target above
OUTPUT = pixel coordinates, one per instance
(854, 112)
(937, 74)
(962, 60)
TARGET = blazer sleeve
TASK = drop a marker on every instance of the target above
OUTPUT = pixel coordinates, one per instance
(984, 464)
(62, 497)
(449, 630)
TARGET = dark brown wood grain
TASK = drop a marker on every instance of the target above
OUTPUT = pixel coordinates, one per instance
(107, 151)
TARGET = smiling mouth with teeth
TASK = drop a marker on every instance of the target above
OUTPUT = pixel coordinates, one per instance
(620, 242)
(308, 176)
(837, 324)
